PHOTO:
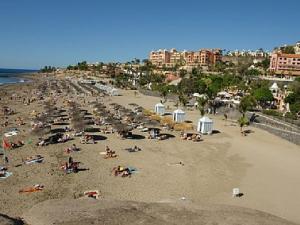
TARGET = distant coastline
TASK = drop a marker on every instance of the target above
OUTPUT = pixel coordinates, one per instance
(13, 76)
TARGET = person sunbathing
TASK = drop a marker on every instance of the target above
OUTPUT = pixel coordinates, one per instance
(117, 170)
(110, 153)
(2, 173)
(73, 148)
(184, 136)
(20, 143)
(197, 138)
(134, 149)
(35, 188)
(126, 173)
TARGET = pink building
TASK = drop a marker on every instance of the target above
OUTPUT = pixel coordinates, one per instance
(285, 64)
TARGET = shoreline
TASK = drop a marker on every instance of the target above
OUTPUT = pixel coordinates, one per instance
(26, 77)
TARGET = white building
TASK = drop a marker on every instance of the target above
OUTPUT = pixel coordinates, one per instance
(159, 109)
(179, 116)
(205, 125)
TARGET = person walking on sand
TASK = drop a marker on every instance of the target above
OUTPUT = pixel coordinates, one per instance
(5, 159)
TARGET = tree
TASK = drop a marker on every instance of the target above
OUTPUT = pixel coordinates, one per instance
(265, 64)
(164, 91)
(252, 72)
(202, 101)
(48, 69)
(247, 102)
(243, 121)
(182, 99)
(263, 95)
(289, 49)
(182, 73)
(82, 65)
(294, 97)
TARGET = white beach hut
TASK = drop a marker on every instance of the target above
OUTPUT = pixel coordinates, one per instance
(205, 125)
(179, 116)
(159, 109)
(114, 92)
(274, 88)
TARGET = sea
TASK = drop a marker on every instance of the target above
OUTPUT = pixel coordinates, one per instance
(12, 76)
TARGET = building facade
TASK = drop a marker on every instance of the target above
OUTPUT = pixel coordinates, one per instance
(285, 64)
(259, 53)
(160, 57)
(203, 57)
(297, 48)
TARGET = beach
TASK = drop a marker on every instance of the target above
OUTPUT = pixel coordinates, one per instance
(264, 167)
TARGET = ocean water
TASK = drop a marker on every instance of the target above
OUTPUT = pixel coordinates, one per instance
(11, 76)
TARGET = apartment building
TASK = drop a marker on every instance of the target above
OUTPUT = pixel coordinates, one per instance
(203, 57)
(160, 57)
(285, 64)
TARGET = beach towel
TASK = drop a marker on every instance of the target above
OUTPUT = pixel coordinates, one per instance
(5, 144)
(132, 169)
(6, 175)
(102, 153)
(92, 194)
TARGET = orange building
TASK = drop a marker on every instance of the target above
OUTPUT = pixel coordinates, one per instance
(203, 57)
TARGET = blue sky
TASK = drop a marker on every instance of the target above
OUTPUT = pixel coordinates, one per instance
(35, 33)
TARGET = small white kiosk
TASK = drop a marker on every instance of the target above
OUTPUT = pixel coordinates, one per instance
(205, 125)
(114, 92)
(159, 109)
(178, 116)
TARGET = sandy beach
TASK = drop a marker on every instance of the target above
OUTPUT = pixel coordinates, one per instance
(264, 167)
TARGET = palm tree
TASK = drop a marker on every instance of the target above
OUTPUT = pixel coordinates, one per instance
(243, 121)
(246, 103)
(182, 99)
(202, 101)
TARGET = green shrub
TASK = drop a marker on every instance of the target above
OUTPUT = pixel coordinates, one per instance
(272, 113)
(291, 116)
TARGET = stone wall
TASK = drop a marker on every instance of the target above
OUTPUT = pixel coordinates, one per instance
(277, 127)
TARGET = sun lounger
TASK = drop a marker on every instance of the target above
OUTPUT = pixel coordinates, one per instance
(11, 133)
(36, 159)
(5, 175)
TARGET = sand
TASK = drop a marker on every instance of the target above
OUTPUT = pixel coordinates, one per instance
(88, 211)
(264, 167)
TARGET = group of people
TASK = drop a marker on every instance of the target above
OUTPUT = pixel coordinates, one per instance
(64, 138)
(17, 144)
(110, 153)
(71, 166)
(192, 137)
(122, 171)
(19, 121)
(73, 148)
(86, 139)
(134, 149)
